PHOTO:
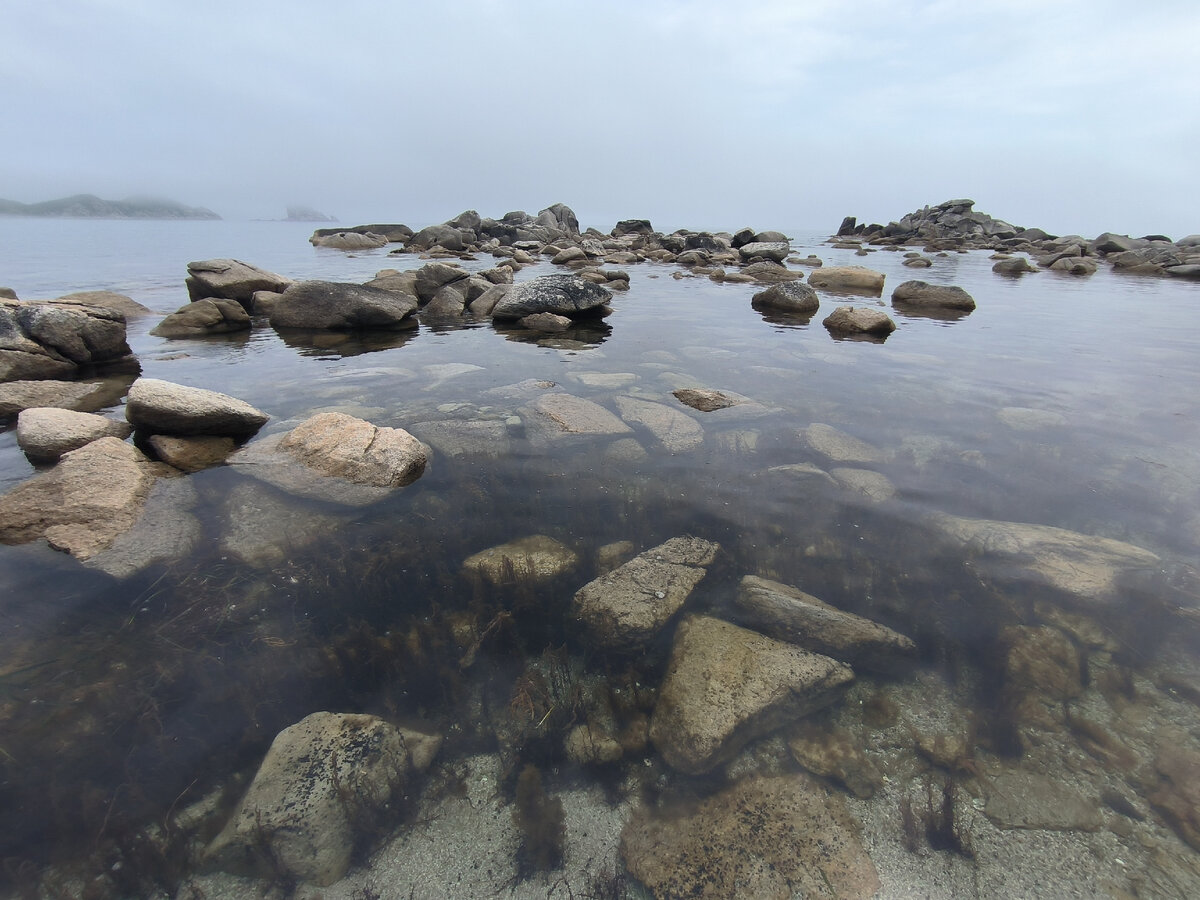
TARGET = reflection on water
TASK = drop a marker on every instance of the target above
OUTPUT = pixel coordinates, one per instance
(1047, 726)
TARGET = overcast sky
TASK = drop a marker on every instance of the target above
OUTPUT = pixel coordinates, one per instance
(1078, 117)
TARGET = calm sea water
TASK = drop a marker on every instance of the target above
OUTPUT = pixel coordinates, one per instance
(119, 697)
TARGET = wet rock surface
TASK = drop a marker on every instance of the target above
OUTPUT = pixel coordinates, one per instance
(727, 685)
(316, 794)
(765, 837)
(537, 557)
(789, 614)
(626, 607)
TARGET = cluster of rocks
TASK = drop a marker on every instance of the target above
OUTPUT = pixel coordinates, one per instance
(956, 225)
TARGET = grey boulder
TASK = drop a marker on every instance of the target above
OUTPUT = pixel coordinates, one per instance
(792, 297)
(564, 295)
(52, 339)
(45, 434)
(335, 306)
(204, 317)
(921, 293)
(859, 320)
(231, 279)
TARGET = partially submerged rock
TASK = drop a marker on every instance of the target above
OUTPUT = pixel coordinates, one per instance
(52, 339)
(126, 306)
(204, 317)
(80, 395)
(706, 400)
(793, 297)
(537, 557)
(852, 279)
(329, 305)
(859, 320)
(192, 454)
(337, 458)
(45, 434)
(726, 685)
(776, 838)
(789, 614)
(161, 407)
(626, 608)
(923, 294)
(82, 505)
(321, 789)
(349, 240)
(231, 279)
(565, 295)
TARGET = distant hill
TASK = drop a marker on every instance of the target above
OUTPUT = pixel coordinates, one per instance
(89, 206)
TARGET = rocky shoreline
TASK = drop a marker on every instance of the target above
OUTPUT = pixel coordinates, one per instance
(755, 739)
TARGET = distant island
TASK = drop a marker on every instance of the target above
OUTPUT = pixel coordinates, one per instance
(307, 214)
(89, 206)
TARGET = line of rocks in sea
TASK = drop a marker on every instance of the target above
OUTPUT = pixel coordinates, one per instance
(956, 225)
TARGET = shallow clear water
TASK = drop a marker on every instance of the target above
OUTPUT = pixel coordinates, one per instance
(124, 699)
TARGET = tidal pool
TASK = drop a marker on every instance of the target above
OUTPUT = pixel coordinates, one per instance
(972, 483)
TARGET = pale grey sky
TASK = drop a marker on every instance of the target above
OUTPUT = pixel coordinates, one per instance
(1072, 116)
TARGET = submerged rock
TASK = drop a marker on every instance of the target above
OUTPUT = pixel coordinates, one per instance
(537, 557)
(45, 434)
(324, 785)
(558, 414)
(675, 430)
(1017, 799)
(789, 614)
(626, 607)
(839, 446)
(875, 486)
(265, 527)
(832, 752)
(726, 685)
(166, 530)
(82, 505)
(776, 838)
(1086, 568)
(161, 407)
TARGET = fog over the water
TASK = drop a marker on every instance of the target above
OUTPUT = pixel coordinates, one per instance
(1077, 117)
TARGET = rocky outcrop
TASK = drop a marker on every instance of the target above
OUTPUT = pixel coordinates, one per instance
(231, 279)
(82, 505)
(951, 220)
(792, 297)
(774, 837)
(204, 317)
(334, 306)
(849, 279)
(325, 784)
(54, 339)
(859, 320)
(627, 607)
(45, 434)
(726, 685)
(564, 295)
(924, 294)
(160, 407)
(788, 614)
(537, 557)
